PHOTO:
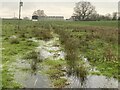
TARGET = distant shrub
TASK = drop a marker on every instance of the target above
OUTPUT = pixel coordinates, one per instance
(43, 34)
(22, 35)
(14, 40)
(30, 43)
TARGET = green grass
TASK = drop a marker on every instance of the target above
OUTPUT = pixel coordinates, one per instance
(10, 54)
(77, 24)
(55, 72)
(96, 40)
(101, 23)
(60, 83)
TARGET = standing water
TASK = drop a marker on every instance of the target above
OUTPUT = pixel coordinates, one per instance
(28, 74)
(51, 50)
(92, 81)
(29, 79)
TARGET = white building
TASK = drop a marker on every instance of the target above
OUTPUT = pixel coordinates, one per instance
(47, 18)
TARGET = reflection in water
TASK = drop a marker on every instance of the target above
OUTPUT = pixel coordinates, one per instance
(34, 59)
(82, 80)
(26, 73)
(32, 81)
(76, 74)
(33, 67)
(93, 81)
(30, 78)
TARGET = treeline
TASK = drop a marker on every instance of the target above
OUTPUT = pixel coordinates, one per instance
(85, 11)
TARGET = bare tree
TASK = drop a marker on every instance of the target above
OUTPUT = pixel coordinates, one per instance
(35, 13)
(95, 17)
(26, 18)
(108, 16)
(84, 10)
(39, 13)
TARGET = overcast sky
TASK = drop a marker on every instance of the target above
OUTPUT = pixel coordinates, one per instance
(53, 7)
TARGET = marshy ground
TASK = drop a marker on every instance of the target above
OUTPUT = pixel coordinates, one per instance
(60, 54)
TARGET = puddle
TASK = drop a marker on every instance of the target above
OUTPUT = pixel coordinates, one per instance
(87, 64)
(92, 81)
(51, 50)
(23, 69)
(28, 79)
(32, 81)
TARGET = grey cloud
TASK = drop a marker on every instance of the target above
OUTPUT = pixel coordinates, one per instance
(52, 8)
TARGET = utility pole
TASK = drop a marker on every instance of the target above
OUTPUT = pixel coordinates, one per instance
(20, 5)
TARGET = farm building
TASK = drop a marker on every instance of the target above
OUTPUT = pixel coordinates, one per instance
(74, 18)
(35, 17)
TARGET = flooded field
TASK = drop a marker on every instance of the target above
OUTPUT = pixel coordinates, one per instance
(93, 81)
(24, 74)
(59, 55)
(51, 50)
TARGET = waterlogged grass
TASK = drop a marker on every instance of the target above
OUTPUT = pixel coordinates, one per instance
(8, 80)
(97, 43)
(60, 82)
(10, 54)
(107, 69)
(13, 48)
(96, 40)
(55, 72)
